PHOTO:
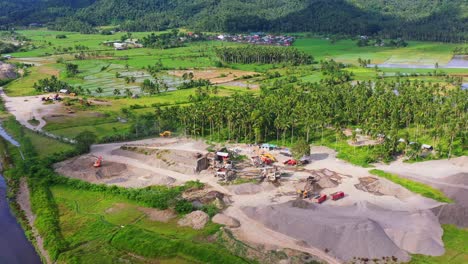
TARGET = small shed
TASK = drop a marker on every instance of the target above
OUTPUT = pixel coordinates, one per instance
(64, 91)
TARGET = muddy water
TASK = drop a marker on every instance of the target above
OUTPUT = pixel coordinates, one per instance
(14, 246)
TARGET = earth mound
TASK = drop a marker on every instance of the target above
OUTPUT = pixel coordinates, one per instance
(373, 232)
(196, 220)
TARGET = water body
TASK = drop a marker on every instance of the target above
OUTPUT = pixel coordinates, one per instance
(14, 246)
(457, 62)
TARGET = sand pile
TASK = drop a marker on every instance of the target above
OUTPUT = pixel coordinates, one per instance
(457, 212)
(176, 160)
(111, 173)
(223, 219)
(370, 231)
(7, 71)
(327, 178)
(251, 188)
(82, 168)
(380, 187)
(196, 220)
(158, 215)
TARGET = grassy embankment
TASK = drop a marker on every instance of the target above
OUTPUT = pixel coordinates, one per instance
(416, 187)
(104, 228)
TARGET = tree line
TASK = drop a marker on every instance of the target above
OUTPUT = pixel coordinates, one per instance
(250, 54)
(411, 110)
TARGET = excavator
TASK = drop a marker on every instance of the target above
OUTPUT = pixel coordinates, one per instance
(165, 134)
(309, 188)
(98, 162)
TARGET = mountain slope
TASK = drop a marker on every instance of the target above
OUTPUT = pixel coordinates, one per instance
(445, 20)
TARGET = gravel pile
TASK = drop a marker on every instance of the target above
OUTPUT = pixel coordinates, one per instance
(371, 232)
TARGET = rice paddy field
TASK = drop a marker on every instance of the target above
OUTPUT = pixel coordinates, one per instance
(417, 52)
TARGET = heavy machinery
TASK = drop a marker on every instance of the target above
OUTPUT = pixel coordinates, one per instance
(337, 195)
(98, 162)
(320, 198)
(271, 174)
(269, 156)
(309, 188)
(290, 162)
(165, 134)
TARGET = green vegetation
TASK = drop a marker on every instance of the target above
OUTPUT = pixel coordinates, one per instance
(252, 54)
(48, 146)
(416, 187)
(418, 19)
(25, 85)
(456, 246)
(117, 226)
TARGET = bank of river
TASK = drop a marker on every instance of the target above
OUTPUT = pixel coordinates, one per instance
(14, 246)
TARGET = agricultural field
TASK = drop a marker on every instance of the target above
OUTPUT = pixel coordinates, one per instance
(105, 229)
(346, 51)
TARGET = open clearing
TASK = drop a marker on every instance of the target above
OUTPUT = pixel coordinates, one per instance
(373, 216)
(216, 75)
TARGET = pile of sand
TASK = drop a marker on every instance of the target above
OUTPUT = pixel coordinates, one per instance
(228, 221)
(455, 213)
(158, 215)
(360, 230)
(251, 188)
(7, 71)
(379, 186)
(111, 173)
(196, 220)
(205, 196)
(82, 168)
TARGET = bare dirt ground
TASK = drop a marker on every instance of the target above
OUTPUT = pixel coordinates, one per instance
(374, 214)
(25, 205)
(215, 75)
(24, 108)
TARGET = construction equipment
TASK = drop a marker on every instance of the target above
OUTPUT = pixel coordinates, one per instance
(320, 198)
(309, 187)
(265, 160)
(166, 134)
(337, 195)
(98, 162)
(272, 174)
(290, 162)
(269, 156)
(303, 194)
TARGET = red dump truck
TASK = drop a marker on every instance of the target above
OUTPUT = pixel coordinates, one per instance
(337, 195)
(320, 198)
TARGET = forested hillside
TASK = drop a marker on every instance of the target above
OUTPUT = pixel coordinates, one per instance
(442, 20)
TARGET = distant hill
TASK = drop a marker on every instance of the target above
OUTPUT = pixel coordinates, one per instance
(443, 20)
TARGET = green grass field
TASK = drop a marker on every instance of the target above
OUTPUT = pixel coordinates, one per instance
(24, 85)
(102, 228)
(416, 187)
(46, 145)
(347, 51)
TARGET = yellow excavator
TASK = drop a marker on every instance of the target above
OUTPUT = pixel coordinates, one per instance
(165, 134)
